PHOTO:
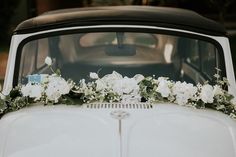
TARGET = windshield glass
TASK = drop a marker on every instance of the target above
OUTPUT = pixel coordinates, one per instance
(128, 53)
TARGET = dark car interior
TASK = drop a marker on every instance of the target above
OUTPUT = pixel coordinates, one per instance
(76, 55)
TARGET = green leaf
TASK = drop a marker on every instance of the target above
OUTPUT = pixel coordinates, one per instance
(18, 103)
(3, 106)
(15, 93)
(58, 72)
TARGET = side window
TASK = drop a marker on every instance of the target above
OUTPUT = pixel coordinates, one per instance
(193, 55)
(208, 55)
(201, 56)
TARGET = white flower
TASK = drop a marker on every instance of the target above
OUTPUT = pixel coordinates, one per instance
(52, 95)
(207, 94)
(218, 90)
(233, 101)
(191, 91)
(48, 61)
(100, 85)
(138, 77)
(181, 99)
(27, 89)
(183, 92)
(93, 75)
(56, 87)
(83, 85)
(32, 90)
(163, 87)
(111, 79)
(125, 86)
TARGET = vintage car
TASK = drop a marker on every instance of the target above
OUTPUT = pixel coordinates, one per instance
(122, 41)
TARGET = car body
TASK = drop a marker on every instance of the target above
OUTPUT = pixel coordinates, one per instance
(169, 42)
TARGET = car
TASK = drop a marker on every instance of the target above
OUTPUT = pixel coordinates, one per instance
(128, 67)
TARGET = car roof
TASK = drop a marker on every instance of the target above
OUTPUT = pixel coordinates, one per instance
(127, 15)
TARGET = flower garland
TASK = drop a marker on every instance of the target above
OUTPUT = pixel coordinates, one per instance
(53, 89)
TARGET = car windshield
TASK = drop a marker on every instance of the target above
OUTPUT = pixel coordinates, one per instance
(177, 57)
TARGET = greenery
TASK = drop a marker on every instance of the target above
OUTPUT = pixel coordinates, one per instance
(53, 90)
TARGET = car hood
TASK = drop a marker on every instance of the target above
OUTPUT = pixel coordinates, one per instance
(117, 130)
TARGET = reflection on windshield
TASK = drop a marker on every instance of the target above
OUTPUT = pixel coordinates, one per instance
(129, 53)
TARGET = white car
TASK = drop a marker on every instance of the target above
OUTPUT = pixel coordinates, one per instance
(122, 41)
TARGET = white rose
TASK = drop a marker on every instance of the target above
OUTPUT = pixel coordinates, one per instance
(32, 91)
(62, 86)
(176, 88)
(233, 101)
(53, 95)
(191, 91)
(138, 77)
(48, 61)
(163, 87)
(181, 99)
(37, 92)
(111, 79)
(100, 85)
(26, 89)
(207, 94)
(56, 87)
(179, 91)
(183, 92)
(125, 86)
(93, 75)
